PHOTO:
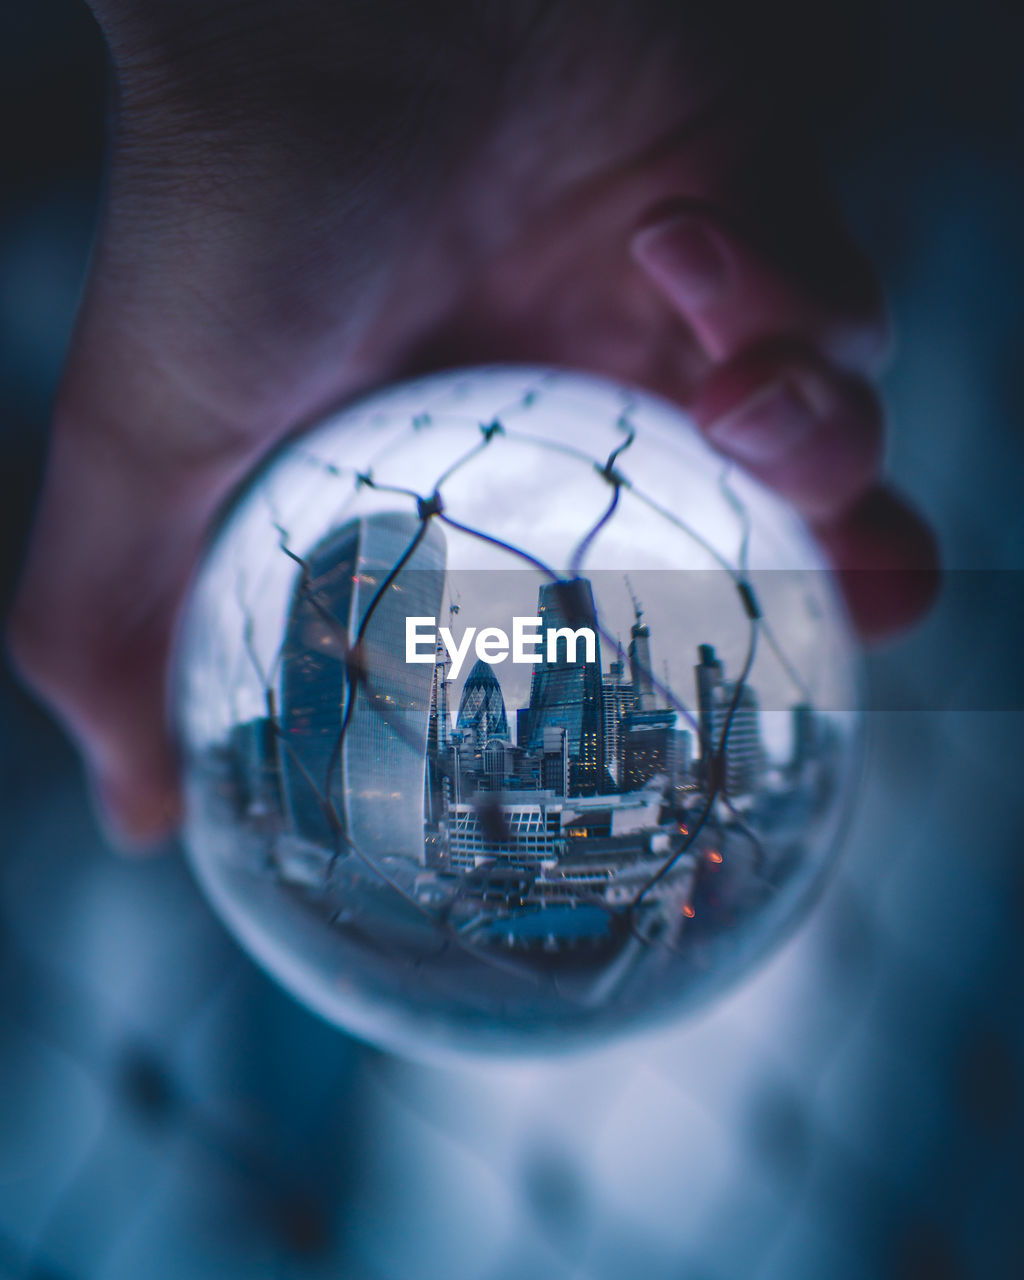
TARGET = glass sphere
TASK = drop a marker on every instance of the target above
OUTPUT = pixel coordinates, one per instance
(513, 716)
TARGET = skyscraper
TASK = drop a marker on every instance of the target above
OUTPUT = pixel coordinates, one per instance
(640, 660)
(553, 773)
(651, 747)
(567, 693)
(709, 674)
(482, 707)
(744, 753)
(313, 676)
(438, 724)
(438, 737)
(619, 702)
(373, 779)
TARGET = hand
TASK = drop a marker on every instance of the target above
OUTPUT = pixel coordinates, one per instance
(306, 199)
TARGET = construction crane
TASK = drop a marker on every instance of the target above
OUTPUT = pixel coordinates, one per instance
(632, 595)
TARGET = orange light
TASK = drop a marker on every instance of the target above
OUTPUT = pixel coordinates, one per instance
(684, 830)
(689, 912)
(714, 856)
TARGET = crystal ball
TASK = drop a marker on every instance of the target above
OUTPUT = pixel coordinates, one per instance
(513, 717)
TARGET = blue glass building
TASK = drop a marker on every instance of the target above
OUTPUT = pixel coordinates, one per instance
(482, 707)
(368, 785)
(567, 693)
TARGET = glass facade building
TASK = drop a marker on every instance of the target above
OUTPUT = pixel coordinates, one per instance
(367, 785)
(482, 707)
(567, 693)
(744, 754)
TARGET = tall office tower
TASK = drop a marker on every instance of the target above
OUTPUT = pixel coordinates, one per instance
(522, 726)
(640, 662)
(744, 754)
(439, 724)
(619, 702)
(553, 774)
(709, 676)
(438, 736)
(371, 780)
(684, 757)
(482, 707)
(566, 693)
(650, 748)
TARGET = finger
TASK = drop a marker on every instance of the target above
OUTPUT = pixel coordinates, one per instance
(732, 294)
(808, 431)
(887, 561)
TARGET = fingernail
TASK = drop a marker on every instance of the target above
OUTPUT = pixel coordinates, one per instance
(685, 258)
(772, 423)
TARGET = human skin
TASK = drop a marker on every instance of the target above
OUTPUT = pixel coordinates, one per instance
(307, 199)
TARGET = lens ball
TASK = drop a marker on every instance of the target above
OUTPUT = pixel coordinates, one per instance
(514, 718)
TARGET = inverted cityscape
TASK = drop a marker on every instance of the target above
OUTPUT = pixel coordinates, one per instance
(543, 830)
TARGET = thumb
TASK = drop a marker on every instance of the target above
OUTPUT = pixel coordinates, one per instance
(121, 519)
(158, 416)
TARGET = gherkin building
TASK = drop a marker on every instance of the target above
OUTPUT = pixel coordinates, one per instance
(481, 707)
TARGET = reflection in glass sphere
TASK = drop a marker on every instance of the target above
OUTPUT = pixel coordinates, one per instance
(513, 717)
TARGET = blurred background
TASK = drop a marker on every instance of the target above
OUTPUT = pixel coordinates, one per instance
(853, 1111)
